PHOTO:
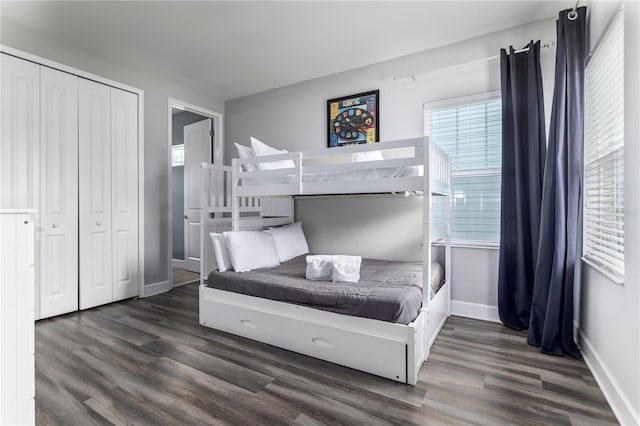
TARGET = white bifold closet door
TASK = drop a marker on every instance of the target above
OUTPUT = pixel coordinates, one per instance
(20, 141)
(108, 194)
(124, 169)
(58, 192)
(96, 282)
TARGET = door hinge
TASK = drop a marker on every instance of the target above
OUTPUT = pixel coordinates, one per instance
(211, 133)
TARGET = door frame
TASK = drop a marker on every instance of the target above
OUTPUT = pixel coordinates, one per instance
(218, 156)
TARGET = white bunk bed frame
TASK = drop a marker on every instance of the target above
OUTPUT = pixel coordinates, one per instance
(394, 351)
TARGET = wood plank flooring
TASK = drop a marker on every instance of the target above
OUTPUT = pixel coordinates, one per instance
(149, 362)
(182, 277)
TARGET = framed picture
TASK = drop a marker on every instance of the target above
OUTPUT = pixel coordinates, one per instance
(353, 119)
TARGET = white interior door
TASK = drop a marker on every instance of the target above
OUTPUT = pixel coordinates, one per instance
(124, 181)
(96, 272)
(58, 193)
(197, 148)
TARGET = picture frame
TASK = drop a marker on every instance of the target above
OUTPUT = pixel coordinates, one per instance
(353, 119)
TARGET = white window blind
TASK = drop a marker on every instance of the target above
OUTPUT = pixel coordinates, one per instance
(469, 129)
(603, 224)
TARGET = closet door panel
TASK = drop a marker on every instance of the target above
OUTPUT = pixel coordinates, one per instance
(20, 143)
(20, 139)
(124, 155)
(58, 193)
(94, 167)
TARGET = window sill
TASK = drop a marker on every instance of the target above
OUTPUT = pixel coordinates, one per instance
(616, 279)
(471, 245)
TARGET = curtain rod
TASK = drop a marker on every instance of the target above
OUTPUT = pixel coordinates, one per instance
(412, 76)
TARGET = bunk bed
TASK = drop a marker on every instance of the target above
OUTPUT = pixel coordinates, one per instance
(241, 197)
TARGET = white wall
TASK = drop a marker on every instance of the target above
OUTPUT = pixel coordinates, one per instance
(608, 315)
(156, 151)
(294, 117)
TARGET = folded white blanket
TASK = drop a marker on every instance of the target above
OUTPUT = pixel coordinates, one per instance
(346, 269)
(319, 267)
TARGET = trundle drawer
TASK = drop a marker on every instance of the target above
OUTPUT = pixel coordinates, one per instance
(352, 348)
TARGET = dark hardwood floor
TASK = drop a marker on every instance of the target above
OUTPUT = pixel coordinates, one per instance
(149, 362)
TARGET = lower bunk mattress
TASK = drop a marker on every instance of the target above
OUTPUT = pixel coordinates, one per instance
(387, 291)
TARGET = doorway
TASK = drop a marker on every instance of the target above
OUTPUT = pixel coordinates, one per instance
(194, 137)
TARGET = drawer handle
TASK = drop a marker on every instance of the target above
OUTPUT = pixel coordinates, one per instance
(248, 324)
(99, 223)
(55, 226)
(322, 342)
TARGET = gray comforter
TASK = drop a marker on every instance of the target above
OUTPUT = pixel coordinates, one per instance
(387, 291)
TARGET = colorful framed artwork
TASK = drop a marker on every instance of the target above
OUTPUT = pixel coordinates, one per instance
(354, 119)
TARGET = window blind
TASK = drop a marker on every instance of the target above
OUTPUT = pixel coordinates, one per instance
(603, 223)
(469, 129)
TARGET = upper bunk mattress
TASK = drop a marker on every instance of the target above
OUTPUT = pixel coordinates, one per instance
(387, 291)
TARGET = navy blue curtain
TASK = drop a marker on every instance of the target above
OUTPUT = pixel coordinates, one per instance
(523, 156)
(551, 325)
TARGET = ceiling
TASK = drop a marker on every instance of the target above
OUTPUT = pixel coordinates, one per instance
(236, 48)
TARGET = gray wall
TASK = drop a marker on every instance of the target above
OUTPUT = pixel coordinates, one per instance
(339, 225)
(294, 118)
(608, 314)
(156, 146)
(178, 121)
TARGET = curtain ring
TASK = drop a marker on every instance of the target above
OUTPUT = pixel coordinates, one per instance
(572, 15)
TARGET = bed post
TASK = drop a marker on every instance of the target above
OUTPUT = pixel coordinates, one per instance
(235, 210)
(204, 204)
(426, 238)
(447, 254)
(298, 164)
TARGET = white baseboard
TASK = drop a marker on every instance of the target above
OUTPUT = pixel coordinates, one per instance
(475, 311)
(618, 401)
(156, 288)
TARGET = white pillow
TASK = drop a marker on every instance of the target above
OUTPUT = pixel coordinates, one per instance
(367, 156)
(251, 250)
(289, 241)
(245, 152)
(260, 148)
(221, 252)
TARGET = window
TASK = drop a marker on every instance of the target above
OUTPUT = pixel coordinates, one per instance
(469, 129)
(603, 220)
(177, 155)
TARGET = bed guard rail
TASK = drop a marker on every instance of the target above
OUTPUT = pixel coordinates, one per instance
(218, 202)
(306, 172)
(216, 192)
(439, 170)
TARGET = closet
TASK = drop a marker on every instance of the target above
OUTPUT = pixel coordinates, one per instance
(69, 149)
